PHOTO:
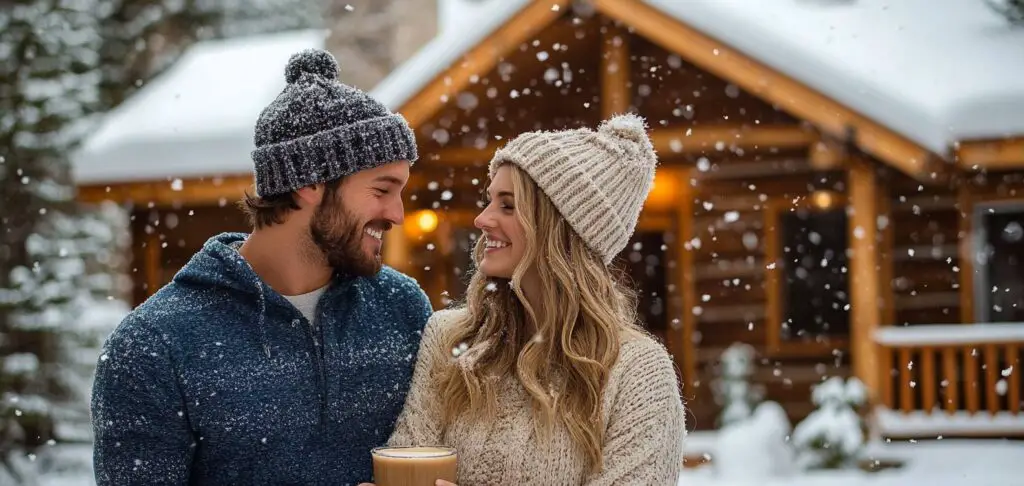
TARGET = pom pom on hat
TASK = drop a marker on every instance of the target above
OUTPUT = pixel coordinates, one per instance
(627, 125)
(317, 62)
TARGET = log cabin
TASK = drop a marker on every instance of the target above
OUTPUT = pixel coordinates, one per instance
(841, 185)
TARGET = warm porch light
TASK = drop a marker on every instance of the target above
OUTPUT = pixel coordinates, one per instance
(822, 199)
(663, 192)
(424, 221)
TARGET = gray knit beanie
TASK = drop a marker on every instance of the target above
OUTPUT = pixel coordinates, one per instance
(319, 129)
(598, 181)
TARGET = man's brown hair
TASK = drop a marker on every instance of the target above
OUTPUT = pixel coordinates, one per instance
(262, 212)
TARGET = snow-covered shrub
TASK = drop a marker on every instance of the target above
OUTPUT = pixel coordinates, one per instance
(1013, 10)
(733, 390)
(755, 448)
(833, 435)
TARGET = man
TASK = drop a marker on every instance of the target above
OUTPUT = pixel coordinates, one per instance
(283, 356)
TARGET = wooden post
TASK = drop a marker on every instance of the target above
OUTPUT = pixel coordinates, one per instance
(152, 264)
(396, 249)
(1013, 361)
(615, 68)
(887, 247)
(687, 361)
(827, 154)
(865, 312)
(965, 207)
(992, 398)
(951, 378)
(927, 379)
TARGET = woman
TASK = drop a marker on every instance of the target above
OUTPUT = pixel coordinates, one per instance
(544, 376)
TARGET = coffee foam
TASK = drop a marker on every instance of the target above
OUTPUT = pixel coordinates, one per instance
(414, 452)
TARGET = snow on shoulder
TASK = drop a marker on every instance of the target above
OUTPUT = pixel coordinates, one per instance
(196, 118)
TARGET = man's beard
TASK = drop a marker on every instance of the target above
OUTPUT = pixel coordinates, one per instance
(339, 237)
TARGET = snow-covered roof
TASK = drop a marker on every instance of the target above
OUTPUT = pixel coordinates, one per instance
(196, 118)
(476, 23)
(935, 72)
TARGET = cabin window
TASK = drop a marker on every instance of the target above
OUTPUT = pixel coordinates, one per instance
(815, 284)
(999, 260)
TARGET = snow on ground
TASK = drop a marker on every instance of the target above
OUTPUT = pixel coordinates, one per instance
(950, 462)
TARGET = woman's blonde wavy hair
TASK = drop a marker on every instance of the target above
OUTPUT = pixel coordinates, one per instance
(582, 317)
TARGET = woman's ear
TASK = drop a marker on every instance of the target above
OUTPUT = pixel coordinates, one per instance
(310, 195)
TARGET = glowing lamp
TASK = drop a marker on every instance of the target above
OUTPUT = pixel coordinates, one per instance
(663, 192)
(425, 221)
(822, 199)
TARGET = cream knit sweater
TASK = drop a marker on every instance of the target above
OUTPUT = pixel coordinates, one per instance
(643, 416)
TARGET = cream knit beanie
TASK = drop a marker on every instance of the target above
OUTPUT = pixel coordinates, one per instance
(597, 180)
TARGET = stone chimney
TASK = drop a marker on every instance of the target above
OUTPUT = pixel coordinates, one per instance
(372, 37)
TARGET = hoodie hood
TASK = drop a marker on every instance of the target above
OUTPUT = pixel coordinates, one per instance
(219, 265)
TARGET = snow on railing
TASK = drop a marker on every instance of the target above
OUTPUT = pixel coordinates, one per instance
(958, 368)
(950, 334)
(894, 423)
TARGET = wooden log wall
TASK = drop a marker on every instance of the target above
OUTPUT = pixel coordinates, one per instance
(165, 238)
(926, 261)
(732, 271)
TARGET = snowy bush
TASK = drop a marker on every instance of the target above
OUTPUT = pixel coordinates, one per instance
(733, 390)
(59, 310)
(833, 435)
(1013, 10)
(755, 448)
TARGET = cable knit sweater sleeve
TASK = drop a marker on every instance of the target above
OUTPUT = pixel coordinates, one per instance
(420, 421)
(646, 424)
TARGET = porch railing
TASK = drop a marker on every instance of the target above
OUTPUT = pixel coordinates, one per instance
(960, 379)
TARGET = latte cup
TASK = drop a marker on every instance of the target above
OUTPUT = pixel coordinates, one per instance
(414, 466)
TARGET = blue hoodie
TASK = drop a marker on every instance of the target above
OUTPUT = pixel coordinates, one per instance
(217, 379)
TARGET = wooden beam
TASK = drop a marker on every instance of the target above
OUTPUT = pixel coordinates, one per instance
(187, 192)
(696, 139)
(666, 140)
(827, 154)
(754, 169)
(1002, 154)
(865, 312)
(615, 67)
(461, 156)
(760, 80)
(206, 191)
(533, 18)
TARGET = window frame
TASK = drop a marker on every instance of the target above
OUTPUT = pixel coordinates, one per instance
(979, 239)
(775, 301)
